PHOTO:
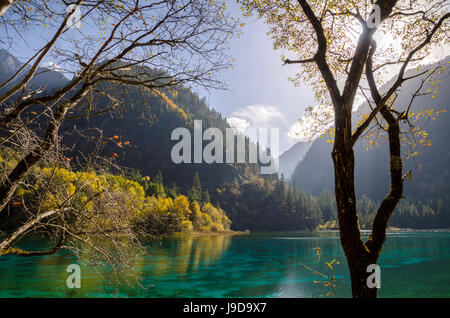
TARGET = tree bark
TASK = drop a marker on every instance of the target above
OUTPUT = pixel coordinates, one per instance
(31, 72)
(4, 6)
(357, 254)
(6, 245)
(387, 207)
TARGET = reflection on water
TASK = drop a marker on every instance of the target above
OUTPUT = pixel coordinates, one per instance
(184, 253)
(200, 250)
(256, 265)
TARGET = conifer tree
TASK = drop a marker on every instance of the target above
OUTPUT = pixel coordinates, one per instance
(207, 198)
(195, 194)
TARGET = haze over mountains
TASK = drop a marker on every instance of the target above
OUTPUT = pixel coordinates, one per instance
(431, 174)
(291, 158)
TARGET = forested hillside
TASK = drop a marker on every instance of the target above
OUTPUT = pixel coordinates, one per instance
(426, 191)
(135, 126)
(138, 134)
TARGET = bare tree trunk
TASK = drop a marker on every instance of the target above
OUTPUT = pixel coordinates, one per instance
(11, 182)
(4, 6)
(357, 254)
(387, 207)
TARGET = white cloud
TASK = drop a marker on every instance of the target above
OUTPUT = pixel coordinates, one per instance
(260, 116)
(312, 125)
(256, 117)
(296, 131)
(239, 124)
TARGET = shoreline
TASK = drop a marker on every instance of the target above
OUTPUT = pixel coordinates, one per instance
(390, 230)
(209, 233)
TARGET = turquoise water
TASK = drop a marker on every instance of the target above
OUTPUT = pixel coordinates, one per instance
(413, 264)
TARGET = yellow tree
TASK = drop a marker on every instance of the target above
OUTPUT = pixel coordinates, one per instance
(181, 208)
(106, 48)
(122, 44)
(343, 47)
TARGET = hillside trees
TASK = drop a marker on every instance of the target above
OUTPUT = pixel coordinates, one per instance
(150, 45)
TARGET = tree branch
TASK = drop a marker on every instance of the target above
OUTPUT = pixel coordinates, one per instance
(400, 78)
(4, 6)
(361, 53)
(6, 244)
(320, 56)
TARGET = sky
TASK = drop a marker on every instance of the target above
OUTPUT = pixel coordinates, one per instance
(259, 93)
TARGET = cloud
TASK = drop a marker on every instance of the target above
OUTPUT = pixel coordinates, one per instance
(254, 117)
(297, 131)
(260, 116)
(316, 121)
(239, 124)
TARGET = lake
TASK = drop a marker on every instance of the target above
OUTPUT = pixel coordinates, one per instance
(413, 264)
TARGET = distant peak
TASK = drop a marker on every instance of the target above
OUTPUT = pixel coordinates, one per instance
(8, 62)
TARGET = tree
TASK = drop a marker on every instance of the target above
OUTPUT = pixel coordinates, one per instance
(195, 194)
(196, 215)
(156, 187)
(335, 42)
(181, 208)
(207, 198)
(4, 5)
(173, 191)
(87, 213)
(150, 45)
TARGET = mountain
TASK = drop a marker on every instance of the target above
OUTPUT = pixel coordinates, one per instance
(431, 173)
(47, 78)
(8, 63)
(291, 157)
(138, 135)
(142, 126)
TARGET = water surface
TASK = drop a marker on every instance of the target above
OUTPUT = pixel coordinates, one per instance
(413, 264)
